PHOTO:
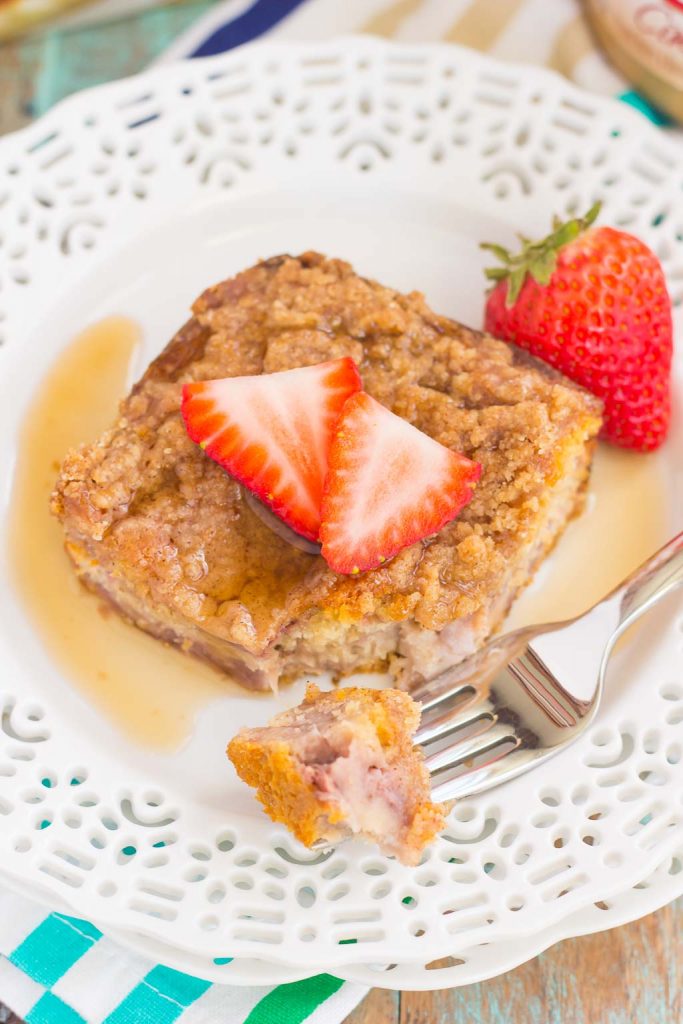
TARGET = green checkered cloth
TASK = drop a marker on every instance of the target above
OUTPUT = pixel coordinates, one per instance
(56, 969)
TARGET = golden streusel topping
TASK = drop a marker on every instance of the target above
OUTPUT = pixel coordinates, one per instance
(174, 522)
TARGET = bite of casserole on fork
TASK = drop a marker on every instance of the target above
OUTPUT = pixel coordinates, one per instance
(343, 763)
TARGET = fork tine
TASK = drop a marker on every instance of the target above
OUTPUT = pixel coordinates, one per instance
(471, 780)
(489, 736)
(448, 678)
(460, 692)
(454, 720)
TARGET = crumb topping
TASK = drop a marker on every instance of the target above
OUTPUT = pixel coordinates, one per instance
(159, 512)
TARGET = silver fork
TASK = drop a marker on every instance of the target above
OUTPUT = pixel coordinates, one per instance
(527, 695)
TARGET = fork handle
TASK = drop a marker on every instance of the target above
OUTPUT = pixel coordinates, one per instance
(655, 578)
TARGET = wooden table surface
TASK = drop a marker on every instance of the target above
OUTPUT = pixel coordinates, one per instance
(630, 975)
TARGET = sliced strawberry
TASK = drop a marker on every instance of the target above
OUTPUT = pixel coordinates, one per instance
(272, 432)
(388, 486)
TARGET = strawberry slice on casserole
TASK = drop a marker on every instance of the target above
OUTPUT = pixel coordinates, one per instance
(273, 431)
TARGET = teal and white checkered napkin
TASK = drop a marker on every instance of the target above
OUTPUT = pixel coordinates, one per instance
(56, 969)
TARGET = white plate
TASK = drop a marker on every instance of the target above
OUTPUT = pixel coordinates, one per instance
(470, 966)
(130, 199)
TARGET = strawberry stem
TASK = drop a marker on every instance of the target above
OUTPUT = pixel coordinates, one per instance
(536, 258)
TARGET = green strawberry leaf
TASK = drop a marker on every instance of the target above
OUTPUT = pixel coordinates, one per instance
(536, 258)
(542, 268)
(497, 250)
(565, 234)
(515, 282)
(592, 215)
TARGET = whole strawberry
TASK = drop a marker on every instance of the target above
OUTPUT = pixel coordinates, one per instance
(592, 302)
